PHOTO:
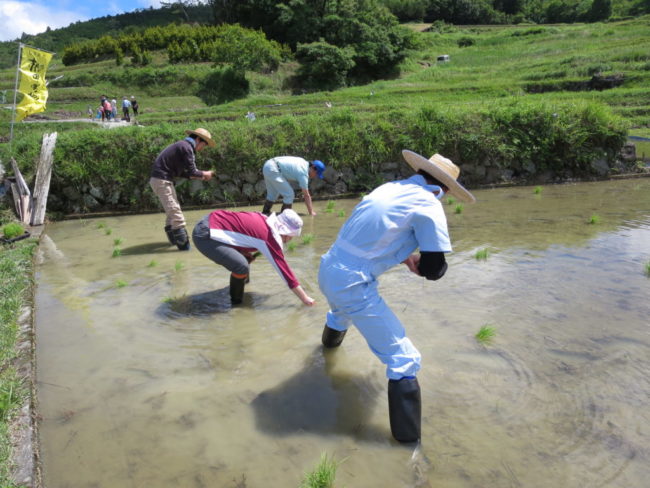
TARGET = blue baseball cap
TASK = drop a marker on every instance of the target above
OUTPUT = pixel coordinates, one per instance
(319, 166)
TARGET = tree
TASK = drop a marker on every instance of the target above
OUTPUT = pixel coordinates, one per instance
(323, 66)
(600, 10)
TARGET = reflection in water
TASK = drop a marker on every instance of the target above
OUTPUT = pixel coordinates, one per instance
(148, 377)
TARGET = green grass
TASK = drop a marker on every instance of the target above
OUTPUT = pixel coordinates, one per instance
(15, 276)
(594, 219)
(482, 254)
(486, 334)
(12, 230)
(307, 238)
(322, 476)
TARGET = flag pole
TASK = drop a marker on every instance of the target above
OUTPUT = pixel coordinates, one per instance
(13, 113)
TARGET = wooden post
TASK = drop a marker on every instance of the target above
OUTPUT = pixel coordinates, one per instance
(43, 176)
(22, 195)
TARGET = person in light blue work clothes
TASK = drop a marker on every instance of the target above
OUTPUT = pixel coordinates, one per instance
(280, 172)
(384, 230)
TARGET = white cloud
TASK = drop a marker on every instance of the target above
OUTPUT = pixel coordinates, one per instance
(32, 18)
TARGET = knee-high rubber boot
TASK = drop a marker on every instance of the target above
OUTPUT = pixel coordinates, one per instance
(404, 409)
(170, 235)
(237, 283)
(181, 239)
(268, 204)
(285, 206)
(332, 337)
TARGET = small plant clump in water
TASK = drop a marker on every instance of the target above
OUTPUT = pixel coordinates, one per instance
(330, 206)
(121, 283)
(179, 265)
(594, 219)
(341, 213)
(647, 269)
(459, 208)
(486, 334)
(101, 225)
(538, 190)
(451, 200)
(291, 246)
(12, 230)
(322, 476)
(482, 254)
(117, 252)
(152, 263)
(108, 231)
(307, 238)
(118, 241)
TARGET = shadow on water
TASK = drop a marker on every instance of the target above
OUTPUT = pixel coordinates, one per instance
(205, 304)
(321, 401)
(148, 248)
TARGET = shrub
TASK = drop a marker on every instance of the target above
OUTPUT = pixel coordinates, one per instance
(12, 230)
(323, 66)
(465, 41)
(223, 85)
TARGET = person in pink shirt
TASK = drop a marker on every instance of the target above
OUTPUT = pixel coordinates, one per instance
(235, 239)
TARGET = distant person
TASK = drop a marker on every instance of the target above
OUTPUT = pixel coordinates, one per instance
(126, 105)
(178, 161)
(233, 240)
(114, 109)
(90, 112)
(384, 230)
(281, 171)
(108, 110)
(134, 106)
(102, 112)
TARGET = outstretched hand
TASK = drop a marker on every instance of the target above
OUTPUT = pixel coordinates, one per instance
(412, 263)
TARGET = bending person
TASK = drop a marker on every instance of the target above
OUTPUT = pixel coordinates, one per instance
(384, 229)
(175, 161)
(279, 174)
(233, 239)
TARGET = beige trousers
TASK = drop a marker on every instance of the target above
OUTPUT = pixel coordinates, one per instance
(166, 193)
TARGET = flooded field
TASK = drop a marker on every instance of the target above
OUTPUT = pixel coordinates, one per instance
(148, 378)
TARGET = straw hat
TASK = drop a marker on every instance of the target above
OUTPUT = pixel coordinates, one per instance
(287, 223)
(203, 134)
(441, 169)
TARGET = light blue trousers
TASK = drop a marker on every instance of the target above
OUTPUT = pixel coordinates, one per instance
(351, 290)
(276, 184)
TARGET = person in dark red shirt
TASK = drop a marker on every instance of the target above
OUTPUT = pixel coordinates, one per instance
(178, 161)
(234, 239)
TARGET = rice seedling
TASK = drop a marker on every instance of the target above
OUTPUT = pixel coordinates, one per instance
(167, 300)
(537, 190)
(451, 200)
(322, 476)
(459, 208)
(647, 269)
(486, 334)
(291, 246)
(12, 230)
(118, 241)
(152, 264)
(117, 252)
(594, 219)
(108, 231)
(307, 238)
(179, 265)
(330, 206)
(101, 225)
(121, 283)
(341, 213)
(482, 254)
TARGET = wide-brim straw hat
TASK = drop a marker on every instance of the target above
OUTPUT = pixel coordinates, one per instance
(442, 169)
(287, 223)
(203, 134)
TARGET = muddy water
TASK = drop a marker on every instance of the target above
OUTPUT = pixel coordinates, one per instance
(147, 377)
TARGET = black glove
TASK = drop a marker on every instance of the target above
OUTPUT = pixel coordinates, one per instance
(432, 265)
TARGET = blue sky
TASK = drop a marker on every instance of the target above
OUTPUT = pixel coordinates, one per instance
(34, 16)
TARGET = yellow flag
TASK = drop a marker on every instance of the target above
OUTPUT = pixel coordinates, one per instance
(33, 65)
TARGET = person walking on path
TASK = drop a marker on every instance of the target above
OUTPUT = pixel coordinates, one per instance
(384, 229)
(233, 240)
(126, 105)
(175, 161)
(280, 171)
(134, 106)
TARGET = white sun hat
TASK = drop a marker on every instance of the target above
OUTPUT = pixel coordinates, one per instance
(443, 170)
(287, 223)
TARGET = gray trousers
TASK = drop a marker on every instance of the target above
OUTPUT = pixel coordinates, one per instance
(223, 254)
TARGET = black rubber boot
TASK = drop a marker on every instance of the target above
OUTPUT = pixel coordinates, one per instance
(180, 239)
(237, 289)
(268, 204)
(332, 337)
(170, 235)
(404, 409)
(285, 206)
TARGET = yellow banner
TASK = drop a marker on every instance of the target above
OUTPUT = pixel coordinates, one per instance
(33, 65)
